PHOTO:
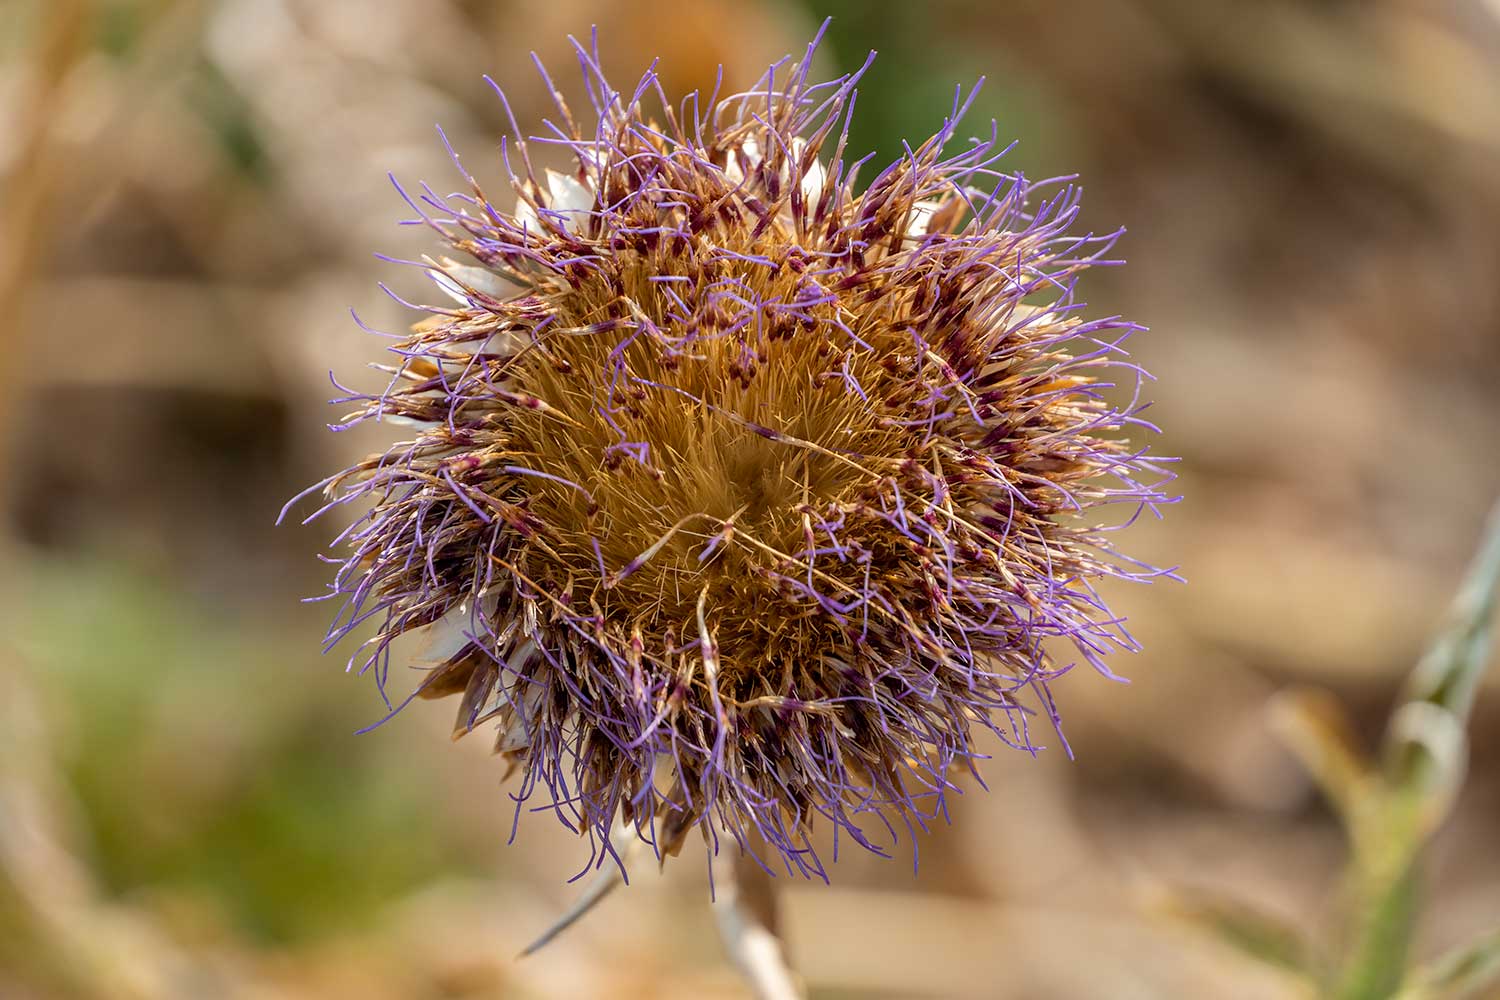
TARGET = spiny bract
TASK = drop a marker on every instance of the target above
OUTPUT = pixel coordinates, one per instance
(735, 496)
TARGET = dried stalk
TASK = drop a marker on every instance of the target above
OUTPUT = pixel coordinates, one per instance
(745, 908)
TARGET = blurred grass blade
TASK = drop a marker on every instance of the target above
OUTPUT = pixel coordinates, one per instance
(1425, 755)
(745, 907)
(610, 876)
(1437, 736)
(1315, 727)
(1250, 931)
(1459, 973)
(1447, 678)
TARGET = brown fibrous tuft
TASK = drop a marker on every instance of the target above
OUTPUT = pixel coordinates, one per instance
(740, 495)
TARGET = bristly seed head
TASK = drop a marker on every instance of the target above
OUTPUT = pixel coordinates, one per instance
(736, 496)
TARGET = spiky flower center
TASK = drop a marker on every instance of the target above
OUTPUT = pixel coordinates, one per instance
(721, 433)
(737, 455)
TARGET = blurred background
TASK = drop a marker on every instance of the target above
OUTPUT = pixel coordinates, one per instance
(191, 192)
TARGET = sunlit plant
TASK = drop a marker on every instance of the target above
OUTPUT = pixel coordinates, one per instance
(739, 494)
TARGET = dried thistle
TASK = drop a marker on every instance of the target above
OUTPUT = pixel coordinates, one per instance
(737, 497)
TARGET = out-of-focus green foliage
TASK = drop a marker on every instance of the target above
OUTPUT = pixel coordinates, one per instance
(900, 97)
(205, 764)
(1389, 815)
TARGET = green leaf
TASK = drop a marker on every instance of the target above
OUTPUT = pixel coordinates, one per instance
(1247, 929)
(1459, 972)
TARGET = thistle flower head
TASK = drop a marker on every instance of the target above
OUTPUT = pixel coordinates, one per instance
(735, 493)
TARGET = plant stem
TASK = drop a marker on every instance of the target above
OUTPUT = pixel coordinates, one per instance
(1425, 756)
